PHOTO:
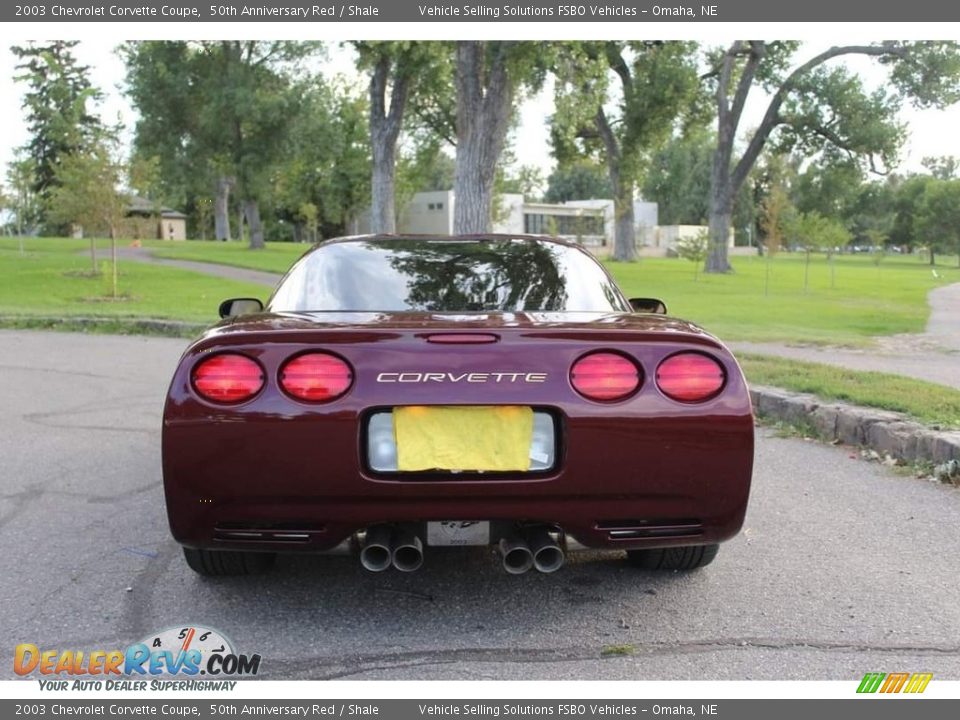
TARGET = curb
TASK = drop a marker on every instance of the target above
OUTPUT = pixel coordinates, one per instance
(886, 433)
(116, 326)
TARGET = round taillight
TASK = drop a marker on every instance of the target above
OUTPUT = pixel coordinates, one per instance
(227, 378)
(605, 376)
(690, 377)
(316, 377)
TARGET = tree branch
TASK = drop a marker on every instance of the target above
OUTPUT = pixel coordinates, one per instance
(756, 54)
(771, 116)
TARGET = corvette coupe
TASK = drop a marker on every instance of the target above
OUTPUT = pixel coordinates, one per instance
(403, 392)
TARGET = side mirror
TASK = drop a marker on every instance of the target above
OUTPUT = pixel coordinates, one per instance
(648, 305)
(240, 306)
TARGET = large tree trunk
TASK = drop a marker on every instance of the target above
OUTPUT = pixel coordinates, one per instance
(383, 213)
(721, 212)
(251, 210)
(384, 132)
(221, 209)
(624, 229)
(484, 98)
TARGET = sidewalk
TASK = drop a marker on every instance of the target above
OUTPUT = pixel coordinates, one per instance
(933, 355)
(225, 271)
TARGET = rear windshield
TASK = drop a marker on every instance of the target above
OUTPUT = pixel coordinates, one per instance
(509, 275)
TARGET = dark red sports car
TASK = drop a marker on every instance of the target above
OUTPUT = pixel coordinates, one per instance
(398, 393)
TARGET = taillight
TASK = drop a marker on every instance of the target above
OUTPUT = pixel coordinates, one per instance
(316, 377)
(227, 378)
(690, 377)
(605, 376)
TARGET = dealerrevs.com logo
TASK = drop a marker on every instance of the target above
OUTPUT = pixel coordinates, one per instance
(184, 652)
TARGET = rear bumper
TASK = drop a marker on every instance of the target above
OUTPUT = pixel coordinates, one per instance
(639, 484)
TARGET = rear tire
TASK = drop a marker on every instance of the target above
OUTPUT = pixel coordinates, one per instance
(675, 558)
(223, 563)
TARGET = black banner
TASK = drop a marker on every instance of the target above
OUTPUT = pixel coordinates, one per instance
(426, 11)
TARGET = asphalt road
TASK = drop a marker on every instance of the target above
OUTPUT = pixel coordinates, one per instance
(843, 567)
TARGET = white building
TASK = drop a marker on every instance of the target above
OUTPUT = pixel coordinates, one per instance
(588, 222)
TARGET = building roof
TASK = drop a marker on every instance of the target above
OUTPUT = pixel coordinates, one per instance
(141, 206)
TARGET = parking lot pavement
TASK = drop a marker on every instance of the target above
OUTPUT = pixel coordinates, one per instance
(842, 566)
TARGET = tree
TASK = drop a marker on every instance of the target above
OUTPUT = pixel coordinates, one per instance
(581, 179)
(815, 233)
(24, 201)
(223, 110)
(333, 175)
(56, 104)
(679, 179)
(658, 88)
(694, 248)
(908, 199)
(400, 69)
(944, 167)
(487, 78)
(938, 217)
(829, 185)
(775, 212)
(86, 193)
(516, 179)
(814, 108)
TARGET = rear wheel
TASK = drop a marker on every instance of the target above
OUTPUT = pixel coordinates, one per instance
(675, 558)
(221, 563)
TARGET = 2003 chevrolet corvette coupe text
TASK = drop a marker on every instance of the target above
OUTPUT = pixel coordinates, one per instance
(404, 392)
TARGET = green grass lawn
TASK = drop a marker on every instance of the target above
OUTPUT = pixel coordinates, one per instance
(52, 279)
(923, 401)
(275, 257)
(865, 300)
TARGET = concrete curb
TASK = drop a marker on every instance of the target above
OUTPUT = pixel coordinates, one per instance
(117, 326)
(886, 433)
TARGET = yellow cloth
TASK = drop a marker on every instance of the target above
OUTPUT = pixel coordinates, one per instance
(490, 438)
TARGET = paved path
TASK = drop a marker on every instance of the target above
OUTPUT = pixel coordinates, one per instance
(842, 566)
(225, 271)
(933, 355)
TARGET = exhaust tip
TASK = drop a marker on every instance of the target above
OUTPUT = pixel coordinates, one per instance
(549, 559)
(517, 558)
(375, 554)
(407, 553)
(548, 556)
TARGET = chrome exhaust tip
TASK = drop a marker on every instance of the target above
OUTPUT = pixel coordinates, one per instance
(375, 555)
(407, 553)
(516, 555)
(548, 556)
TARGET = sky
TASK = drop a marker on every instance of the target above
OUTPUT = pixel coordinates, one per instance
(930, 132)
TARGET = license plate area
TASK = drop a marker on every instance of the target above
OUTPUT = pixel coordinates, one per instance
(379, 447)
(458, 533)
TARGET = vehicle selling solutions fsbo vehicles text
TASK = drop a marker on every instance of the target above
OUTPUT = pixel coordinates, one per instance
(496, 11)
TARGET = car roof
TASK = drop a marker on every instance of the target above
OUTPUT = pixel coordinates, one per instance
(476, 237)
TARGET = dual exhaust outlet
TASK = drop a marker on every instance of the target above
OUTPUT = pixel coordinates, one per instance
(385, 547)
(538, 550)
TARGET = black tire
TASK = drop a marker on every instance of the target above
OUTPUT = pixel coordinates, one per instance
(676, 558)
(223, 563)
